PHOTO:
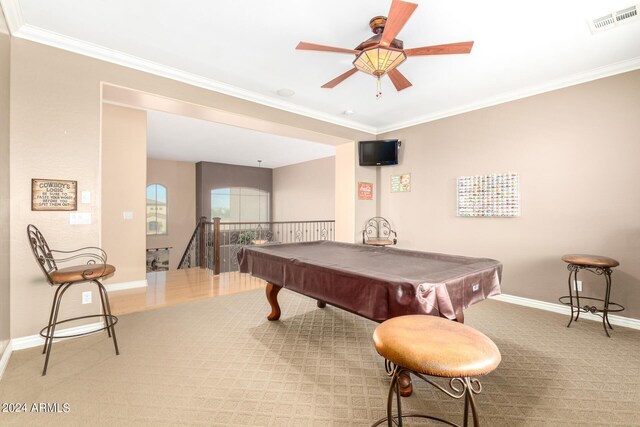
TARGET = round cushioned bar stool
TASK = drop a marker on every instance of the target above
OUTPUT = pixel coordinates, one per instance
(436, 347)
(601, 266)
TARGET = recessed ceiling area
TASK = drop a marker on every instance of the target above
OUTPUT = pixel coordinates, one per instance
(247, 49)
(173, 137)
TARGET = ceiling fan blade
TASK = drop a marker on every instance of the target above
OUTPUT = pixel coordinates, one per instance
(333, 83)
(323, 48)
(399, 14)
(441, 49)
(398, 79)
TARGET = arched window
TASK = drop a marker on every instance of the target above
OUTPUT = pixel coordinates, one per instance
(156, 209)
(240, 204)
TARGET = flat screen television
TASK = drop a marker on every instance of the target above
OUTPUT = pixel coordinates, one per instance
(379, 153)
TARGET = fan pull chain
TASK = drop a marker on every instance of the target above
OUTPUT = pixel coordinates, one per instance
(378, 89)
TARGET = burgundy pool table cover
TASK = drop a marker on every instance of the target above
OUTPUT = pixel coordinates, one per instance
(375, 282)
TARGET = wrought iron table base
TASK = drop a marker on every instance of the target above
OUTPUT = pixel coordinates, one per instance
(573, 301)
(459, 388)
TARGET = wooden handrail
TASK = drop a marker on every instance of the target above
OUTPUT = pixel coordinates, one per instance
(190, 244)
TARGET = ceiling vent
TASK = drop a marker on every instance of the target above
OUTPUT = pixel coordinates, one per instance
(614, 19)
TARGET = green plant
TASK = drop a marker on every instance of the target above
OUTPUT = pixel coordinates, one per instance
(246, 237)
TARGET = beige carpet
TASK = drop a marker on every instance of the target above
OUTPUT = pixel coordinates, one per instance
(219, 362)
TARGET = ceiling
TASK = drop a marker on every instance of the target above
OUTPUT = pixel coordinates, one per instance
(173, 137)
(247, 49)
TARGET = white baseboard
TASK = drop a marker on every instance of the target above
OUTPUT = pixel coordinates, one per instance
(563, 309)
(126, 285)
(4, 361)
(37, 340)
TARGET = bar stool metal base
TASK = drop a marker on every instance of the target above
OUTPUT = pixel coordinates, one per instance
(48, 332)
(459, 388)
(573, 300)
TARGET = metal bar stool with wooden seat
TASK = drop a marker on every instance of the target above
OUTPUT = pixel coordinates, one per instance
(95, 268)
(436, 347)
(600, 266)
(378, 232)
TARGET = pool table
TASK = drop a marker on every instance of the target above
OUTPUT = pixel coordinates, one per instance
(374, 282)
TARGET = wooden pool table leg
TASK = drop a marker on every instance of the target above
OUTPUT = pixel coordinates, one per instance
(272, 297)
(406, 387)
(404, 379)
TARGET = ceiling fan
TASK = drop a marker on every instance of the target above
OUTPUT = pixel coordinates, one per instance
(382, 53)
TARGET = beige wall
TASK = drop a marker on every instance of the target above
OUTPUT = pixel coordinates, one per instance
(364, 209)
(577, 153)
(304, 191)
(352, 213)
(55, 133)
(124, 183)
(575, 149)
(210, 176)
(5, 54)
(180, 180)
(345, 192)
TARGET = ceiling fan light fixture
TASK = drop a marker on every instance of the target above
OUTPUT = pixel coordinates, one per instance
(383, 53)
(379, 60)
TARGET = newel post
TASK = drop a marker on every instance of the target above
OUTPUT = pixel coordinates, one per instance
(202, 244)
(216, 243)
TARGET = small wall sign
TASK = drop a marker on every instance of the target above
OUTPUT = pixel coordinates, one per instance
(401, 183)
(365, 191)
(54, 195)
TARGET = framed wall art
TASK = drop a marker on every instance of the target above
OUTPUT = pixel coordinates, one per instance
(401, 183)
(158, 259)
(494, 195)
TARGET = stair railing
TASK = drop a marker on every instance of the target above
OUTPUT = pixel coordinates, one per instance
(214, 245)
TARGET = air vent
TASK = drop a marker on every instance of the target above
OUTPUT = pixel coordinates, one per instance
(614, 19)
(602, 23)
(627, 13)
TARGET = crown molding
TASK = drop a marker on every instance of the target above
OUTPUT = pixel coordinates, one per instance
(39, 35)
(13, 15)
(587, 76)
(20, 29)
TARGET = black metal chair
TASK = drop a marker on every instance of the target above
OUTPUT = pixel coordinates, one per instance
(95, 268)
(378, 232)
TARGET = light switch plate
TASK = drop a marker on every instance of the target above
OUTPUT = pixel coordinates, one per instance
(86, 297)
(127, 215)
(80, 218)
(85, 197)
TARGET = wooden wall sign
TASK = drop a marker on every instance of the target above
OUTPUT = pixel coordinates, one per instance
(54, 195)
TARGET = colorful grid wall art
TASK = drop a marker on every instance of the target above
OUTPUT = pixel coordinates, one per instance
(495, 195)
